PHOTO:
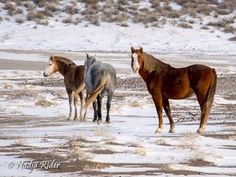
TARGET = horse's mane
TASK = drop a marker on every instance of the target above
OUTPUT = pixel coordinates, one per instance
(63, 60)
(153, 64)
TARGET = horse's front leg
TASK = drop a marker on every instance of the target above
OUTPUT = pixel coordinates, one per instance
(166, 106)
(81, 105)
(70, 95)
(157, 98)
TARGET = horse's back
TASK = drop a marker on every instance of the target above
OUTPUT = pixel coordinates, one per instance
(98, 71)
(74, 76)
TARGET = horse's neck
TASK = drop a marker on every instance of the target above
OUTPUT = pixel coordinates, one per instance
(158, 67)
(63, 67)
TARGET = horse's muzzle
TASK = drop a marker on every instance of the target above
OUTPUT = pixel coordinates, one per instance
(45, 75)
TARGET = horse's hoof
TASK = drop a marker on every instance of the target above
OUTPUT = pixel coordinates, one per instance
(69, 118)
(171, 131)
(201, 131)
(107, 122)
(159, 130)
(94, 120)
(76, 118)
(99, 122)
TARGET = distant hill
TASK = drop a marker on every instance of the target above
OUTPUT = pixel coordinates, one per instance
(207, 14)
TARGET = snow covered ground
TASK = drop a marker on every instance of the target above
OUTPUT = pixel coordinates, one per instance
(34, 127)
(109, 37)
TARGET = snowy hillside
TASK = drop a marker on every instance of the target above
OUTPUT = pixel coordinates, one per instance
(168, 26)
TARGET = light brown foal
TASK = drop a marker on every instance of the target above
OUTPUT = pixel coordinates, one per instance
(73, 78)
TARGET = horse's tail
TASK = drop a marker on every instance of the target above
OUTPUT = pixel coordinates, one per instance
(98, 90)
(212, 89)
(80, 88)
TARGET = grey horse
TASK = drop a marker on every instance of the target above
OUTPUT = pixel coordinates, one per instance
(100, 80)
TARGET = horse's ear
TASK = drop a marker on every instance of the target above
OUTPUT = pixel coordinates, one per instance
(87, 55)
(141, 50)
(52, 58)
(132, 50)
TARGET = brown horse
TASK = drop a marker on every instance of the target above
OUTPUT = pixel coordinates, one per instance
(165, 82)
(73, 79)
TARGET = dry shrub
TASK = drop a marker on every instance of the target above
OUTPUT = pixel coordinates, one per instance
(228, 4)
(10, 6)
(44, 103)
(1, 18)
(68, 20)
(155, 3)
(193, 13)
(136, 1)
(133, 7)
(191, 21)
(204, 9)
(185, 25)
(121, 8)
(51, 7)
(122, 2)
(32, 15)
(232, 39)
(19, 11)
(144, 10)
(19, 20)
(222, 11)
(124, 24)
(88, 1)
(40, 3)
(221, 23)
(204, 27)
(167, 8)
(70, 9)
(173, 14)
(121, 17)
(229, 29)
(190, 5)
(29, 5)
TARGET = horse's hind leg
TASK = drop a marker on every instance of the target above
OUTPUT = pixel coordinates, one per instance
(166, 106)
(85, 109)
(99, 110)
(205, 110)
(205, 106)
(109, 98)
(95, 111)
(75, 105)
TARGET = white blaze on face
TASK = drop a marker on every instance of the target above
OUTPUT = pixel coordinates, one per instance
(50, 69)
(135, 64)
